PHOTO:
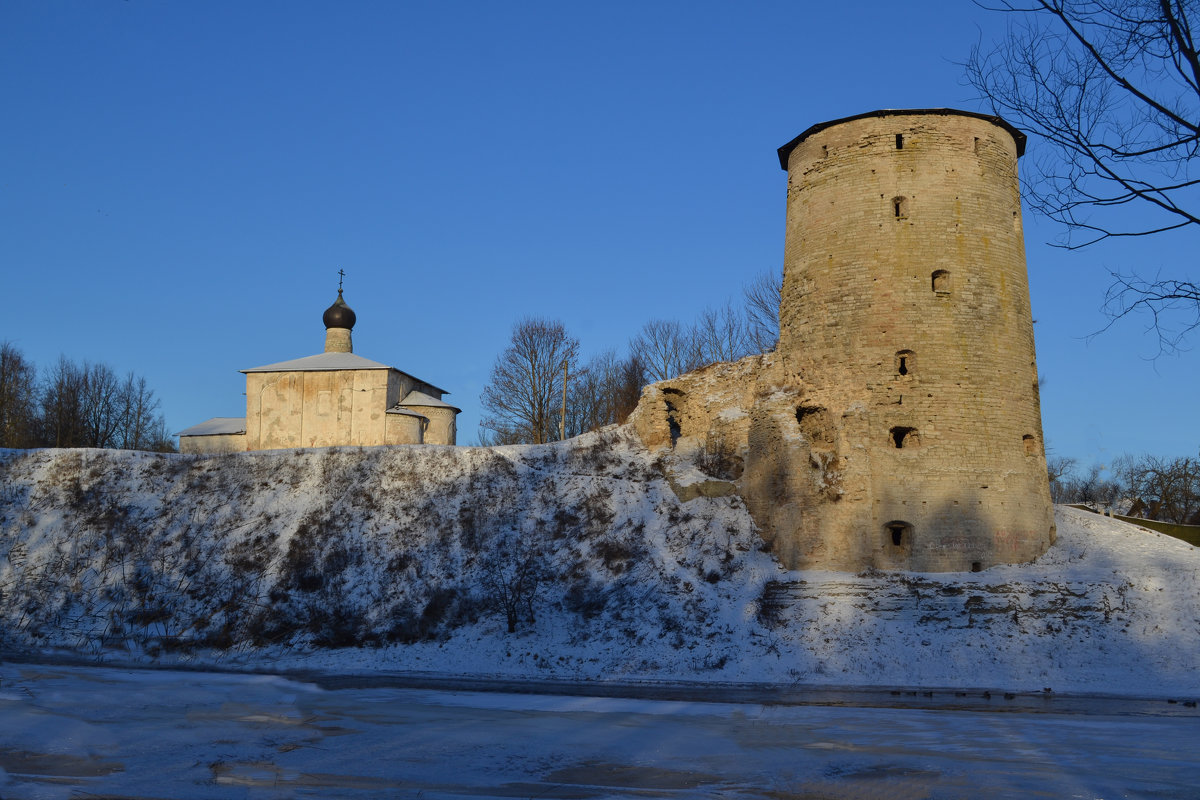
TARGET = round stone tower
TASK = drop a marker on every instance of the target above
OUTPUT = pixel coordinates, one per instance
(905, 316)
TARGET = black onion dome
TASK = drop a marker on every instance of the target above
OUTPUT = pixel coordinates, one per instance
(339, 315)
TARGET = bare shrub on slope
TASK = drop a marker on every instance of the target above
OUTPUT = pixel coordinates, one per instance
(512, 572)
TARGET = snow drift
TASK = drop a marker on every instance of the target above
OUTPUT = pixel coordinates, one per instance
(425, 558)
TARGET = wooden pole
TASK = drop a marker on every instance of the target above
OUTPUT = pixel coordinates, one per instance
(562, 421)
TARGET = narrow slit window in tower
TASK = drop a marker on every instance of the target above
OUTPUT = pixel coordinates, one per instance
(905, 362)
(940, 280)
(900, 207)
(899, 141)
(903, 436)
(898, 532)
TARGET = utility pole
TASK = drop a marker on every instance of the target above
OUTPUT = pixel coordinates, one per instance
(562, 421)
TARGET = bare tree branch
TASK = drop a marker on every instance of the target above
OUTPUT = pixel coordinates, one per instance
(18, 398)
(1172, 307)
(762, 296)
(1112, 88)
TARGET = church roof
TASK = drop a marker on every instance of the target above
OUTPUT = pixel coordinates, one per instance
(329, 362)
(419, 399)
(404, 411)
(216, 426)
(321, 362)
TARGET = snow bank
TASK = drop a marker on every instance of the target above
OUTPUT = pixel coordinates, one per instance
(419, 558)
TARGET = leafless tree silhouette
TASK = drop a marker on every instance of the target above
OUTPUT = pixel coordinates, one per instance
(1113, 87)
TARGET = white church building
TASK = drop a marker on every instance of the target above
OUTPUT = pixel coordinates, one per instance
(331, 398)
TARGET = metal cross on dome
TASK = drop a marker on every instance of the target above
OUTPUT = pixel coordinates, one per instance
(341, 275)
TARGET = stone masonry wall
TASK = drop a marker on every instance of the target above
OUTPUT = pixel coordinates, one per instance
(317, 408)
(404, 429)
(213, 444)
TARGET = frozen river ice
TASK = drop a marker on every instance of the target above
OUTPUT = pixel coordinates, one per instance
(74, 732)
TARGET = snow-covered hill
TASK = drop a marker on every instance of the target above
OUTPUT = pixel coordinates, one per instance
(407, 558)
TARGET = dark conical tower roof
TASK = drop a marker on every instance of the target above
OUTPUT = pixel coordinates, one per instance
(339, 315)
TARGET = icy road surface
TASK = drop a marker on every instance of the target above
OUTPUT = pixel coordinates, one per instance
(73, 732)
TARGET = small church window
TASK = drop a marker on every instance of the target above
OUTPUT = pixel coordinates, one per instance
(941, 281)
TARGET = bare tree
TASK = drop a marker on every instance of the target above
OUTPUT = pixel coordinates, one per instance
(142, 427)
(159, 438)
(523, 399)
(627, 390)
(1113, 87)
(1089, 488)
(102, 407)
(604, 392)
(18, 398)
(513, 570)
(1059, 470)
(666, 348)
(762, 295)
(1168, 489)
(61, 406)
(589, 406)
(87, 405)
(722, 335)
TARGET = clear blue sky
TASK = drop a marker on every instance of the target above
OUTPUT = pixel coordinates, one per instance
(181, 182)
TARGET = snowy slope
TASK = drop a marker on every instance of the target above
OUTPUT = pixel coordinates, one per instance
(400, 559)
